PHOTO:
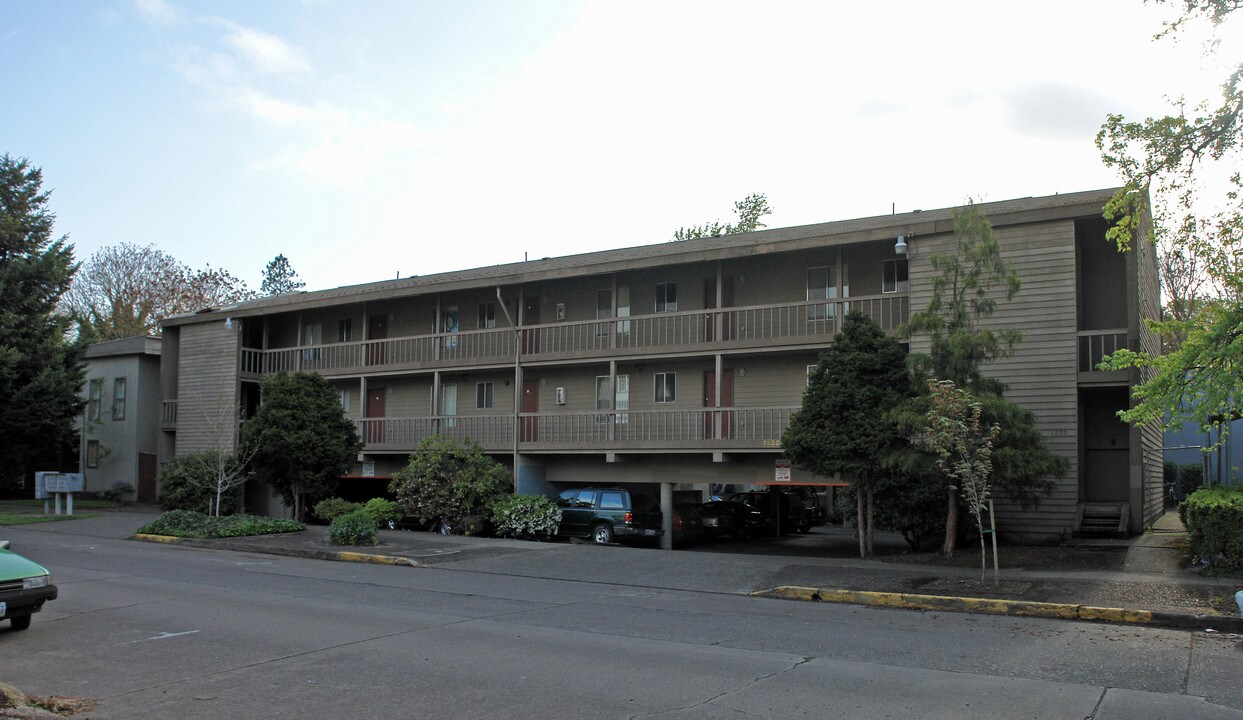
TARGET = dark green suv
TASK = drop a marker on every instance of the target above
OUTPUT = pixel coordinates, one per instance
(608, 514)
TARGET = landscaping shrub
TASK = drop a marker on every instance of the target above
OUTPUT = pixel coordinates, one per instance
(385, 512)
(354, 528)
(446, 483)
(526, 517)
(333, 508)
(187, 482)
(191, 524)
(1214, 519)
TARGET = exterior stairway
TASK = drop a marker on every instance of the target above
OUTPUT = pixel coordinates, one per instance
(1096, 519)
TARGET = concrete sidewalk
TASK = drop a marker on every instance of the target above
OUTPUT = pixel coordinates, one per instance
(1152, 586)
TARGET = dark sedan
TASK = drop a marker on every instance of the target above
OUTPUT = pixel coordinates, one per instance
(734, 518)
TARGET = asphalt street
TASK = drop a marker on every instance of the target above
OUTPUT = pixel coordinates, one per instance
(158, 631)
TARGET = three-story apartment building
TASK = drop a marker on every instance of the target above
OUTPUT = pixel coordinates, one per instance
(681, 362)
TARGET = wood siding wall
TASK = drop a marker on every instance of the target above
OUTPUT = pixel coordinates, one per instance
(208, 387)
(1042, 375)
(1152, 437)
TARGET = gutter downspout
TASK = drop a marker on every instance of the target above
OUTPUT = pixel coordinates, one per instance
(517, 378)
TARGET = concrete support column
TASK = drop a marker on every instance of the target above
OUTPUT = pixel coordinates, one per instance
(666, 510)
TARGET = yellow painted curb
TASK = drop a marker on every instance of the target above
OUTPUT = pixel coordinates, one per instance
(157, 538)
(374, 559)
(909, 601)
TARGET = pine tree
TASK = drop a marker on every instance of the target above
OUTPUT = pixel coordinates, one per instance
(41, 373)
(279, 277)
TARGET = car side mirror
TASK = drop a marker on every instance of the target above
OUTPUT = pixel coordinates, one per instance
(4, 544)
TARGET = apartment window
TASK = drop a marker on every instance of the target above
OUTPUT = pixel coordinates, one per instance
(894, 276)
(312, 334)
(822, 286)
(666, 389)
(667, 297)
(483, 395)
(810, 369)
(92, 453)
(604, 310)
(619, 398)
(345, 401)
(345, 330)
(118, 399)
(623, 309)
(448, 404)
(487, 315)
(95, 401)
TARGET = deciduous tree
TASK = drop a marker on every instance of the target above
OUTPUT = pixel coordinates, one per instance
(41, 374)
(1182, 170)
(125, 290)
(748, 210)
(299, 438)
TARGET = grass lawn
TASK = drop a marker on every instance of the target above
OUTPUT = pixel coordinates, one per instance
(25, 512)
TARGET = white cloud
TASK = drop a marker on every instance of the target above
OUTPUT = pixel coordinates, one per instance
(265, 52)
(157, 10)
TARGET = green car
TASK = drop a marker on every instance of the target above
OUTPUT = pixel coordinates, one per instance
(24, 587)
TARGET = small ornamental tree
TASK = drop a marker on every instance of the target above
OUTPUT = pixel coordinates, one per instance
(846, 425)
(299, 440)
(963, 447)
(446, 482)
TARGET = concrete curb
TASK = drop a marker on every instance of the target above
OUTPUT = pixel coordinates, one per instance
(340, 555)
(1022, 608)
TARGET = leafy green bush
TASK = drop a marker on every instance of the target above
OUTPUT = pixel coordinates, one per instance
(187, 482)
(190, 524)
(526, 517)
(383, 511)
(354, 528)
(445, 483)
(333, 508)
(1214, 518)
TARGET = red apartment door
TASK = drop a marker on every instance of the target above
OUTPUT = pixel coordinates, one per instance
(727, 401)
(377, 329)
(375, 409)
(530, 404)
(530, 338)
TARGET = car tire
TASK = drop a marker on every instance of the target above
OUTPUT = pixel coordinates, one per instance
(20, 622)
(602, 535)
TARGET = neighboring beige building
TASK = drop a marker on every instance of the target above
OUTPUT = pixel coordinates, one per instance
(121, 431)
(681, 362)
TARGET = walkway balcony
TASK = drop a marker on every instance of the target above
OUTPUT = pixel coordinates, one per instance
(764, 326)
(707, 430)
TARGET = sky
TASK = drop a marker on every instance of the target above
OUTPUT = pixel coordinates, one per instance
(366, 139)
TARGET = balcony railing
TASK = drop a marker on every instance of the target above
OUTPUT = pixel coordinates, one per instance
(757, 326)
(605, 431)
(1094, 345)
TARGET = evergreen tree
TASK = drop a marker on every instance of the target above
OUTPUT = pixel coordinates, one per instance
(279, 277)
(846, 424)
(299, 440)
(41, 373)
(964, 294)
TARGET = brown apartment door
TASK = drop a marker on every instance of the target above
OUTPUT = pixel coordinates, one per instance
(727, 401)
(530, 404)
(530, 316)
(148, 468)
(375, 409)
(377, 329)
